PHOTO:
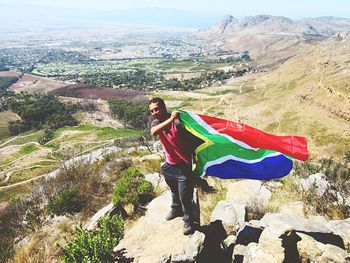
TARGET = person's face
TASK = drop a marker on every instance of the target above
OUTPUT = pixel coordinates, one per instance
(157, 111)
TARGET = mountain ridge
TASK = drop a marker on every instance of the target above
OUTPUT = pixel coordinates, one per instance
(269, 39)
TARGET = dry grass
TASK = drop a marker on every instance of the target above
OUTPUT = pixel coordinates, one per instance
(208, 201)
(149, 166)
(45, 245)
(308, 96)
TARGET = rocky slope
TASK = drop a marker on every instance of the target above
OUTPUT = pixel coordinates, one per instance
(271, 39)
(308, 95)
(283, 236)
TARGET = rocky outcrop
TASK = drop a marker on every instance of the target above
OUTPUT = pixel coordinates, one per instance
(153, 239)
(286, 236)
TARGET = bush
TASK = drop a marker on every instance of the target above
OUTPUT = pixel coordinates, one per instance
(131, 187)
(98, 247)
(67, 200)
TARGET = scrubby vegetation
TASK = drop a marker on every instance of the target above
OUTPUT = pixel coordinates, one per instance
(332, 203)
(134, 114)
(131, 188)
(6, 82)
(67, 200)
(38, 112)
(77, 188)
(88, 247)
(204, 80)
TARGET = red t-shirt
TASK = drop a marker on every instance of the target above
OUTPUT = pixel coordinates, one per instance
(177, 149)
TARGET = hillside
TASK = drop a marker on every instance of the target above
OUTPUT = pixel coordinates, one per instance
(308, 95)
(272, 39)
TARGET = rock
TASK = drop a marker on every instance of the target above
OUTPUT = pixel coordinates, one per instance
(319, 179)
(311, 250)
(248, 192)
(269, 248)
(92, 223)
(153, 239)
(231, 214)
(151, 157)
(239, 253)
(341, 228)
(157, 180)
(293, 208)
(244, 254)
(229, 240)
(129, 209)
(281, 223)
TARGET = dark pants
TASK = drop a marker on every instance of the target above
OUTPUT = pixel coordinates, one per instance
(180, 180)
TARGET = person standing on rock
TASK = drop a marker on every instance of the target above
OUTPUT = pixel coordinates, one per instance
(177, 169)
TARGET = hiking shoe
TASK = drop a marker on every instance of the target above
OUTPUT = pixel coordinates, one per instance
(173, 214)
(188, 229)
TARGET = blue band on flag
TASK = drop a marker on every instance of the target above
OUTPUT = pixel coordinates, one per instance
(268, 168)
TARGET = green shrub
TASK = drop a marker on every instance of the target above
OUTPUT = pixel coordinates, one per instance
(131, 187)
(97, 247)
(67, 200)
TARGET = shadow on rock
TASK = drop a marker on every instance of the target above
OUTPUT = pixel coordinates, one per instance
(248, 234)
(213, 249)
(325, 238)
(289, 242)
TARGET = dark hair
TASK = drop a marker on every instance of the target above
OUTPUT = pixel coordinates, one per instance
(160, 102)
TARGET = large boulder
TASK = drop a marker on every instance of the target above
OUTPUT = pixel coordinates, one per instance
(282, 223)
(230, 213)
(152, 239)
(311, 250)
(248, 192)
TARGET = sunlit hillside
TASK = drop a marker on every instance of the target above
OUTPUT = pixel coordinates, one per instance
(308, 95)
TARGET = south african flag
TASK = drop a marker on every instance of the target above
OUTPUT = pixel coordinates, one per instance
(236, 150)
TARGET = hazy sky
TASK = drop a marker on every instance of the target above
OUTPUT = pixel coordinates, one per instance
(173, 13)
(238, 8)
